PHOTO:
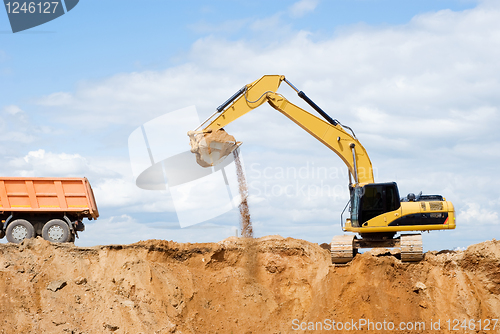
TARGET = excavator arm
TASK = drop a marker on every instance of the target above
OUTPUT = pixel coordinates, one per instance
(211, 144)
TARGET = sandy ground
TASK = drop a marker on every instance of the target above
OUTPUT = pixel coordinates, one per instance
(266, 285)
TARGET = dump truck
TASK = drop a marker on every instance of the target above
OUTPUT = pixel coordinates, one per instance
(377, 213)
(53, 208)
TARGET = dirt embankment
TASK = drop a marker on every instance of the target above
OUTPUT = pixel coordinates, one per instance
(266, 285)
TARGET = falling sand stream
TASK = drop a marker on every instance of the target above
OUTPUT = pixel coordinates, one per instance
(246, 224)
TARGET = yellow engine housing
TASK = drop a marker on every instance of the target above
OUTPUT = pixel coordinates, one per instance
(433, 211)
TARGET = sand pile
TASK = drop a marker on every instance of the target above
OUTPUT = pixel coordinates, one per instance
(165, 287)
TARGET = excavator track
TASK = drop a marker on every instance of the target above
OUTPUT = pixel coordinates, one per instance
(342, 248)
(411, 248)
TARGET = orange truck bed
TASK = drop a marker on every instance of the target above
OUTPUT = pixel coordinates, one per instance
(46, 194)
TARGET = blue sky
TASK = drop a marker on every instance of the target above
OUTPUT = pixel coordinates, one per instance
(103, 38)
(415, 79)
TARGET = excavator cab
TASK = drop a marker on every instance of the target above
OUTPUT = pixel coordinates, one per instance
(373, 200)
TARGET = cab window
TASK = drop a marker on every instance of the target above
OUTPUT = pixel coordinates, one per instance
(373, 200)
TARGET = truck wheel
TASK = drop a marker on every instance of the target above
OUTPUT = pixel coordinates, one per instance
(19, 230)
(56, 230)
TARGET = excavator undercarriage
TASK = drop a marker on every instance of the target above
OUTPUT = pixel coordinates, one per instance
(345, 247)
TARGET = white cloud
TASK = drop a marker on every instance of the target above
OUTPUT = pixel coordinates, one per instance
(42, 163)
(12, 109)
(59, 99)
(121, 192)
(302, 7)
(16, 130)
(474, 214)
(16, 136)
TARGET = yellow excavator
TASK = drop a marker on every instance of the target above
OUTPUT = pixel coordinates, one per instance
(377, 213)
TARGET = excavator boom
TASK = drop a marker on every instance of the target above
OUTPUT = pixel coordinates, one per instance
(210, 145)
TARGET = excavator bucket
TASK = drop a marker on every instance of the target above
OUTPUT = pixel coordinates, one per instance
(211, 147)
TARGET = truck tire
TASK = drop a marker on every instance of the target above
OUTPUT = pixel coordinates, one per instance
(18, 230)
(56, 230)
